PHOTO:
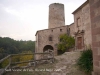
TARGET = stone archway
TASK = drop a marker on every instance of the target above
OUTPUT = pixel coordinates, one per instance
(48, 48)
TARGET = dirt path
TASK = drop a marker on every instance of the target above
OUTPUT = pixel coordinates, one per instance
(66, 64)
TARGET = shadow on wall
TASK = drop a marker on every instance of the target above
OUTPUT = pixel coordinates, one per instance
(48, 48)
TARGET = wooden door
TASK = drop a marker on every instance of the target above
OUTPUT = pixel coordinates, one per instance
(79, 42)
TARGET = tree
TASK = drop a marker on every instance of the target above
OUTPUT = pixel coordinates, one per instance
(1, 53)
(11, 46)
(66, 42)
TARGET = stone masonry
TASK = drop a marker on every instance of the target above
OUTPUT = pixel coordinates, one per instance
(80, 29)
(44, 35)
(85, 30)
(56, 15)
(95, 23)
(82, 26)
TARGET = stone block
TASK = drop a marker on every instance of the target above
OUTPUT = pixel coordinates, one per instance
(98, 51)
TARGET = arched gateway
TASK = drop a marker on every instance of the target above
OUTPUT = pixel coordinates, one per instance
(48, 48)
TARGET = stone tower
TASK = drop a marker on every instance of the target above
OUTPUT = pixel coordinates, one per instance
(56, 15)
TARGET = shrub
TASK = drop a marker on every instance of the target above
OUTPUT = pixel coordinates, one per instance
(4, 63)
(25, 58)
(85, 61)
(65, 42)
(15, 58)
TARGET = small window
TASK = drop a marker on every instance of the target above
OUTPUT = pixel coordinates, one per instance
(78, 22)
(60, 30)
(52, 30)
(50, 38)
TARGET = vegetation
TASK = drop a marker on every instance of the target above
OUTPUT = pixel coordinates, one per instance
(65, 43)
(10, 46)
(4, 63)
(25, 58)
(17, 58)
(85, 62)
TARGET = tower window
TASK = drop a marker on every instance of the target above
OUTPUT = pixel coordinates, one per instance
(60, 30)
(52, 30)
(50, 38)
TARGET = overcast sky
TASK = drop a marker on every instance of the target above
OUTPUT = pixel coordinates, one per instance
(20, 19)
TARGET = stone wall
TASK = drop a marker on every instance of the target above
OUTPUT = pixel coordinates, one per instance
(83, 24)
(43, 38)
(95, 25)
(71, 29)
(80, 28)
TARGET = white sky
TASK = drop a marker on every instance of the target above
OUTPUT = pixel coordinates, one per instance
(20, 19)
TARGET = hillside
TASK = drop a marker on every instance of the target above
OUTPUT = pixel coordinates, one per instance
(11, 46)
(64, 64)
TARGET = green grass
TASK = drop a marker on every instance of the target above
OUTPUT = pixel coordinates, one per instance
(4, 63)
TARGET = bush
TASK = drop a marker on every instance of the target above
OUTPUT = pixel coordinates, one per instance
(85, 62)
(25, 58)
(15, 58)
(4, 63)
(65, 42)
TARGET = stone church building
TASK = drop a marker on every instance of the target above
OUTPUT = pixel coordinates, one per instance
(85, 30)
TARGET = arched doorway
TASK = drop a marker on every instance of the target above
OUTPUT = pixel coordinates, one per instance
(48, 48)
